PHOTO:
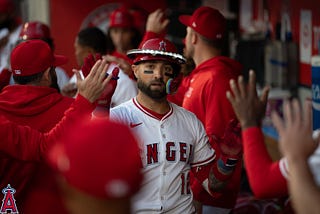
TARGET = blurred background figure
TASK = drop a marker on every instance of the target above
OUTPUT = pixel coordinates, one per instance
(39, 30)
(10, 26)
(93, 41)
(90, 40)
(99, 168)
(123, 32)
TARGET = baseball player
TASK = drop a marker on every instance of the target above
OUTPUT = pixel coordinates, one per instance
(172, 140)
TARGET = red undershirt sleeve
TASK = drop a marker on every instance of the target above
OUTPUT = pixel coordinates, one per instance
(264, 175)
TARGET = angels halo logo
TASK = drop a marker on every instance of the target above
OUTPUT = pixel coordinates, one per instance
(8, 201)
(99, 17)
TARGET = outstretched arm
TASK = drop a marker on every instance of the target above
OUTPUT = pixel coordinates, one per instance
(297, 145)
(264, 175)
(24, 143)
(215, 175)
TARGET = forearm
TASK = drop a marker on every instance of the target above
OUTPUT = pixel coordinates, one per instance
(303, 190)
(264, 175)
(20, 142)
(213, 177)
(79, 109)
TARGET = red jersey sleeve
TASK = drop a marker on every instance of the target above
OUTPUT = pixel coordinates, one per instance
(24, 143)
(264, 175)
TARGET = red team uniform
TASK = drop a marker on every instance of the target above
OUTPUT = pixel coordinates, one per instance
(39, 107)
(206, 98)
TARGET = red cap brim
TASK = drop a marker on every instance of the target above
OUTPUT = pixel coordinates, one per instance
(185, 19)
(60, 60)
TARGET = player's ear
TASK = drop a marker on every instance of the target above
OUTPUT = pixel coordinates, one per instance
(46, 74)
(135, 70)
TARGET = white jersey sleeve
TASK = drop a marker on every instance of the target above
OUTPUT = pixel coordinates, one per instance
(62, 77)
(314, 164)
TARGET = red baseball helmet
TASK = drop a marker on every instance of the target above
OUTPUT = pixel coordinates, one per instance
(156, 49)
(34, 30)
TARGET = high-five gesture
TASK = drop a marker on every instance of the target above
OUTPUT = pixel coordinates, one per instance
(295, 130)
(95, 83)
(247, 105)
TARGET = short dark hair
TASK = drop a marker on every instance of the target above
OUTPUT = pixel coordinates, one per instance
(94, 38)
(23, 80)
(218, 44)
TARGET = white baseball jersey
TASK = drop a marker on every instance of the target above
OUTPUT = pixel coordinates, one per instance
(314, 163)
(125, 90)
(169, 148)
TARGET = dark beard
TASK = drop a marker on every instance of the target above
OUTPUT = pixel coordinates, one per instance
(154, 94)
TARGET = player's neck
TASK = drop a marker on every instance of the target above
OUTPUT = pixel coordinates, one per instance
(160, 106)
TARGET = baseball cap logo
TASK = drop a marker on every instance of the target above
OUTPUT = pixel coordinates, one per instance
(18, 72)
(118, 17)
(162, 46)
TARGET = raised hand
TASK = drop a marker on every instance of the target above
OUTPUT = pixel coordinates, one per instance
(249, 108)
(95, 83)
(157, 22)
(295, 130)
(121, 63)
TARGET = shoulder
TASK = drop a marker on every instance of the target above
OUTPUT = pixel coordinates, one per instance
(122, 108)
(184, 112)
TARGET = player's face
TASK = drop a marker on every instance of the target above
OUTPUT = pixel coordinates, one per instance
(152, 77)
(121, 38)
(80, 52)
(188, 50)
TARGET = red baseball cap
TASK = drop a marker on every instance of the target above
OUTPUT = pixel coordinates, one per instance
(6, 6)
(206, 21)
(156, 49)
(100, 158)
(34, 30)
(121, 18)
(32, 57)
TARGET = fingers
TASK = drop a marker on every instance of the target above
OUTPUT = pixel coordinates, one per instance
(102, 71)
(296, 116)
(278, 122)
(252, 84)
(78, 75)
(234, 89)
(242, 87)
(165, 23)
(287, 111)
(264, 95)
(307, 114)
(94, 69)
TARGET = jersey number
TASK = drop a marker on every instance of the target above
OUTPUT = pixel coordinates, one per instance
(185, 183)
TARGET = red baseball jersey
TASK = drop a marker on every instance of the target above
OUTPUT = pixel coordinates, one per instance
(206, 98)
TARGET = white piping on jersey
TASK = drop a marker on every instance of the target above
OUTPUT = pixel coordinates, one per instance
(136, 103)
(204, 162)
